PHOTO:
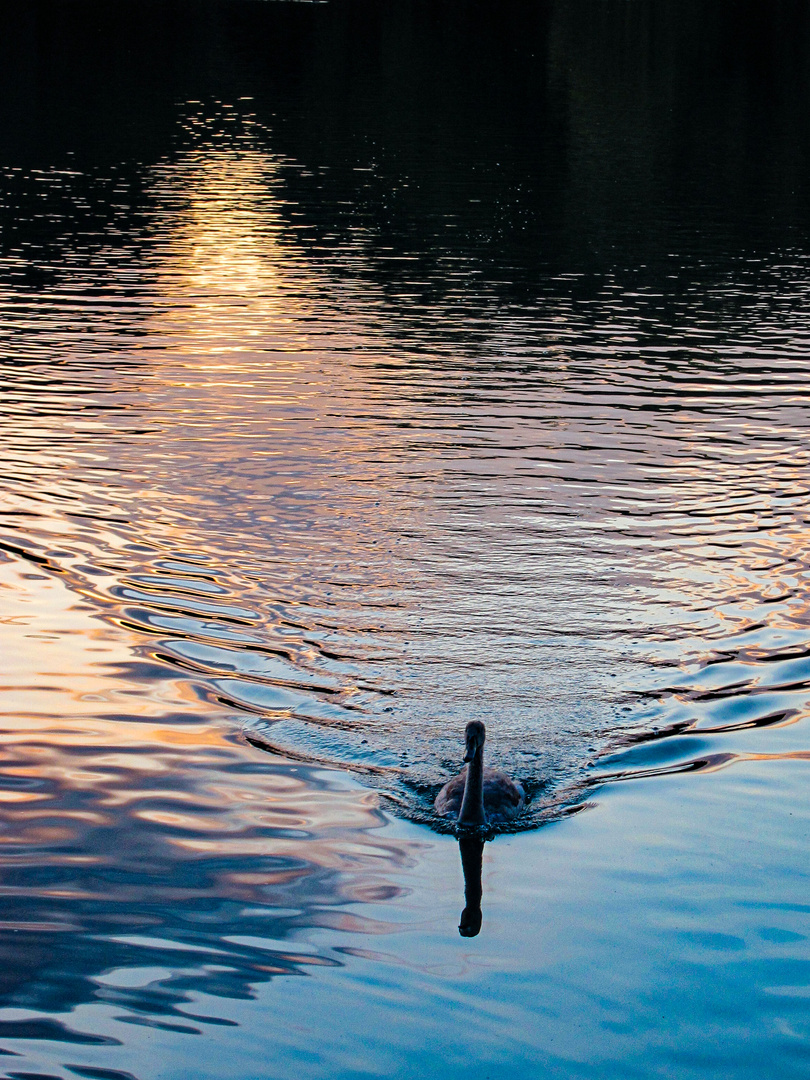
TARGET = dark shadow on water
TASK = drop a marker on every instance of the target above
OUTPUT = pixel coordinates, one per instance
(550, 135)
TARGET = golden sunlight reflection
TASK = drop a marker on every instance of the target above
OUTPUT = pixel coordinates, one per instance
(229, 277)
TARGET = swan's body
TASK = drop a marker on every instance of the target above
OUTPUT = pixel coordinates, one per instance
(503, 798)
(479, 796)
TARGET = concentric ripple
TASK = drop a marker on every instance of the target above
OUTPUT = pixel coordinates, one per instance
(351, 521)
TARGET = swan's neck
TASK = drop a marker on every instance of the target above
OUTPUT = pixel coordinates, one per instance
(472, 805)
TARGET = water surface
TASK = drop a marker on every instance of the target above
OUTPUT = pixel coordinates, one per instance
(364, 373)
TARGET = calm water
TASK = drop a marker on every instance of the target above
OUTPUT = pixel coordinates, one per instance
(366, 369)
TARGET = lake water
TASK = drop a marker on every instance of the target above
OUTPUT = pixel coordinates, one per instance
(367, 369)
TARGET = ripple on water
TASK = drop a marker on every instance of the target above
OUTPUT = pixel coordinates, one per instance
(352, 523)
(458, 369)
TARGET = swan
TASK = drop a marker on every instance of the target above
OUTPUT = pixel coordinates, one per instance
(479, 796)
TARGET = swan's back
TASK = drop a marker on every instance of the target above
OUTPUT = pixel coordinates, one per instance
(448, 801)
(503, 798)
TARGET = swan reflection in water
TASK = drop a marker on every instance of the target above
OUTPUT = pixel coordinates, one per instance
(477, 798)
(472, 858)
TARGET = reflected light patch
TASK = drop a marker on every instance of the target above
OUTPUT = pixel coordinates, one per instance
(228, 270)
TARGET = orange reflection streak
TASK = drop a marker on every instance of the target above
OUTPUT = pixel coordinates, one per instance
(228, 272)
(228, 287)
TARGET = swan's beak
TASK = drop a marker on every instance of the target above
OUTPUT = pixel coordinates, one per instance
(471, 750)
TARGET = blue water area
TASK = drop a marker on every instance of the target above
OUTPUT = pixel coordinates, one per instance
(367, 369)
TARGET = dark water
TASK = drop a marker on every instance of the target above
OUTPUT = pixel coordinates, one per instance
(365, 369)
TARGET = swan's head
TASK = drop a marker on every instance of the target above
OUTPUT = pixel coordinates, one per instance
(474, 736)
